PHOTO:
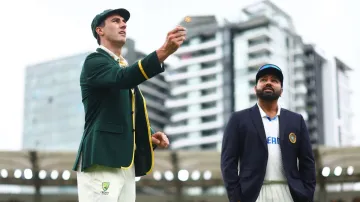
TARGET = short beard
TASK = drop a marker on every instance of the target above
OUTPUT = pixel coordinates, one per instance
(267, 96)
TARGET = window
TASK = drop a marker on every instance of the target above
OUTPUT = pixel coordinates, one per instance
(206, 65)
(208, 91)
(210, 146)
(208, 105)
(208, 78)
(206, 119)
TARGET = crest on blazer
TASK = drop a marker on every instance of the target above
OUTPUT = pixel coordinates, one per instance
(105, 187)
(292, 138)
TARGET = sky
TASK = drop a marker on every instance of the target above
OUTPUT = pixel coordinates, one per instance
(40, 30)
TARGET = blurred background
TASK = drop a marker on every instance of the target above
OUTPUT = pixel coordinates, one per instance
(44, 44)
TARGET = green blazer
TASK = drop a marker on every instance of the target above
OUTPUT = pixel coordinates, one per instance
(116, 118)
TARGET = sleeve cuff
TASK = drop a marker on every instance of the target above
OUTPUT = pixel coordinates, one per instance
(142, 70)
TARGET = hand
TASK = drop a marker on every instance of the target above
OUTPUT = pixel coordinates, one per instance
(160, 140)
(173, 41)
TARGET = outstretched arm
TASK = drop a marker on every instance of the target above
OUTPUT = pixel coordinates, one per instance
(98, 71)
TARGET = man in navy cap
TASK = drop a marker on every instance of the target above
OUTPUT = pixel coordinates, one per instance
(266, 153)
(118, 141)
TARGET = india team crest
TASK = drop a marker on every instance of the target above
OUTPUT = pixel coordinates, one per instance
(292, 138)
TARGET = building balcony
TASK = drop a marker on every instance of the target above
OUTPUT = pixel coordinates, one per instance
(312, 99)
(252, 91)
(313, 124)
(191, 74)
(193, 114)
(298, 50)
(304, 114)
(198, 47)
(157, 93)
(301, 89)
(298, 64)
(308, 61)
(259, 34)
(205, 85)
(188, 142)
(312, 110)
(193, 100)
(172, 131)
(260, 48)
(155, 117)
(300, 103)
(258, 61)
(158, 82)
(199, 59)
(299, 77)
(156, 105)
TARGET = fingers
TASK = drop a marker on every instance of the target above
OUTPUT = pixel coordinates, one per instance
(164, 138)
(177, 29)
(165, 141)
(179, 34)
(176, 37)
(155, 140)
(160, 139)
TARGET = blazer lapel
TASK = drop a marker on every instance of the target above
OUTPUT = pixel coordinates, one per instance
(282, 122)
(256, 119)
(100, 50)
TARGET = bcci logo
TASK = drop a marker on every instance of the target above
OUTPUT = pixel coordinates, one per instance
(292, 138)
(105, 187)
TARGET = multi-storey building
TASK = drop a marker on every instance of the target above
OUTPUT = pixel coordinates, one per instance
(196, 100)
(327, 98)
(344, 113)
(217, 68)
(54, 113)
(217, 71)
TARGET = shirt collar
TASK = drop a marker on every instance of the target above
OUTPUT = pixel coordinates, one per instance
(120, 58)
(110, 53)
(263, 114)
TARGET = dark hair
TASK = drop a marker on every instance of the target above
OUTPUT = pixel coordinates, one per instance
(102, 24)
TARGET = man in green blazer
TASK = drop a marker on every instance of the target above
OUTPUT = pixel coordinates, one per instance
(118, 141)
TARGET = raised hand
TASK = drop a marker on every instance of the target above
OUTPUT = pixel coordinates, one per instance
(173, 41)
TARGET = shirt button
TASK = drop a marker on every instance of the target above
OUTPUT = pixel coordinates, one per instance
(133, 130)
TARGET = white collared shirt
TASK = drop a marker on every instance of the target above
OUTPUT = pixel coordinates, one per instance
(274, 168)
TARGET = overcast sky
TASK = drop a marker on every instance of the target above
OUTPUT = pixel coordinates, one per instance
(37, 30)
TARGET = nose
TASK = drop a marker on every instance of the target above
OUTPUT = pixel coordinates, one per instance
(268, 82)
(123, 25)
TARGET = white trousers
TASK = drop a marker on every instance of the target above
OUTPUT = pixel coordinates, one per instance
(104, 184)
(275, 193)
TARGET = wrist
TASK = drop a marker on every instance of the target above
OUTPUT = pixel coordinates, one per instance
(162, 54)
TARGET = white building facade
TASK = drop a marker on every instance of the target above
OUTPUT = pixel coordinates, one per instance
(216, 76)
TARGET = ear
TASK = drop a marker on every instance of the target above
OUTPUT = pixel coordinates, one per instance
(99, 31)
(255, 88)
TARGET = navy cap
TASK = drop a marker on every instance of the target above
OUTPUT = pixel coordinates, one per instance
(99, 18)
(270, 69)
